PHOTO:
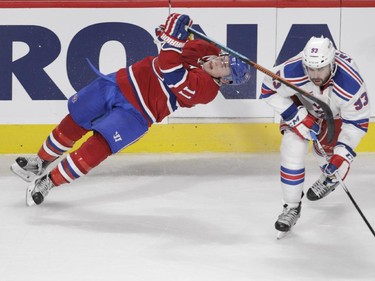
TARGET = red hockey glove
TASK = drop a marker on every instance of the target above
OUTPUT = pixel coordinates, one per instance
(340, 161)
(175, 33)
(302, 123)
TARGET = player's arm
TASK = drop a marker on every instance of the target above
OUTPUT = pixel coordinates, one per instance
(190, 87)
(275, 94)
(355, 118)
(295, 116)
(173, 36)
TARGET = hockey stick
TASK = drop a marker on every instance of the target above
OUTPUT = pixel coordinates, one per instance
(327, 111)
(337, 176)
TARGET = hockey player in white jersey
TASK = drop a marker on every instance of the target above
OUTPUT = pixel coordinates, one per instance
(333, 77)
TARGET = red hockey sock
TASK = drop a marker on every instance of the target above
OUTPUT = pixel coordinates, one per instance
(61, 139)
(78, 163)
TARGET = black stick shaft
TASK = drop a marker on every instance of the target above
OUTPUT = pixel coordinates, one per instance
(357, 207)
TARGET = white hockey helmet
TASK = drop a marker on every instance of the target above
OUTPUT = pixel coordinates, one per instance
(318, 53)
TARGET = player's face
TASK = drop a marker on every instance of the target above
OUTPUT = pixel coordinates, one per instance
(319, 76)
(217, 66)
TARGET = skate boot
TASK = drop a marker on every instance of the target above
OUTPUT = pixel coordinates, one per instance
(28, 168)
(321, 188)
(287, 220)
(38, 190)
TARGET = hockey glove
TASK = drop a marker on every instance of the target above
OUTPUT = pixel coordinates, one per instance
(174, 33)
(159, 31)
(301, 122)
(340, 161)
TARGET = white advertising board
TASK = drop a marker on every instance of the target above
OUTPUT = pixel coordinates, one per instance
(349, 27)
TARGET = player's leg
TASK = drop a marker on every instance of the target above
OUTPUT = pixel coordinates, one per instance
(89, 105)
(113, 133)
(60, 140)
(89, 155)
(292, 174)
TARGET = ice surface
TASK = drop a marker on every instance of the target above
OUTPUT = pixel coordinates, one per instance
(185, 217)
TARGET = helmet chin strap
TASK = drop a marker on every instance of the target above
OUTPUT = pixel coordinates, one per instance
(333, 67)
(224, 81)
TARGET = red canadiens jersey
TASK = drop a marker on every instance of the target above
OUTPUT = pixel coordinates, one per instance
(157, 86)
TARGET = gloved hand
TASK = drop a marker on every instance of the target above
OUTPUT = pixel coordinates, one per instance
(174, 33)
(302, 123)
(340, 161)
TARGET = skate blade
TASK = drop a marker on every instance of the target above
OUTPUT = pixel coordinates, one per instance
(26, 176)
(29, 199)
(281, 234)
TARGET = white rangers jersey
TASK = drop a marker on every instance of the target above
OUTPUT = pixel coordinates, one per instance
(345, 93)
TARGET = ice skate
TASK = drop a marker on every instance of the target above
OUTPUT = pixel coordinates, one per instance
(38, 190)
(28, 168)
(321, 188)
(287, 220)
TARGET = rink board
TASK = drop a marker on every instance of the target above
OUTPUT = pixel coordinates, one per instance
(175, 138)
(27, 115)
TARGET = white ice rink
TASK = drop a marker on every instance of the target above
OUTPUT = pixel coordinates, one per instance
(185, 217)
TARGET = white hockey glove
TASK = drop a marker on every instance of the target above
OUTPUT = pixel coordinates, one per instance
(340, 161)
(302, 123)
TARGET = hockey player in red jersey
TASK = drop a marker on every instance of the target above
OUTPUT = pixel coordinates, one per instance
(333, 77)
(120, 107)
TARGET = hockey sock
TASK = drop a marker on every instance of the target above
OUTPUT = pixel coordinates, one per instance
(61, 139)
(292, 185)
(80, 162)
